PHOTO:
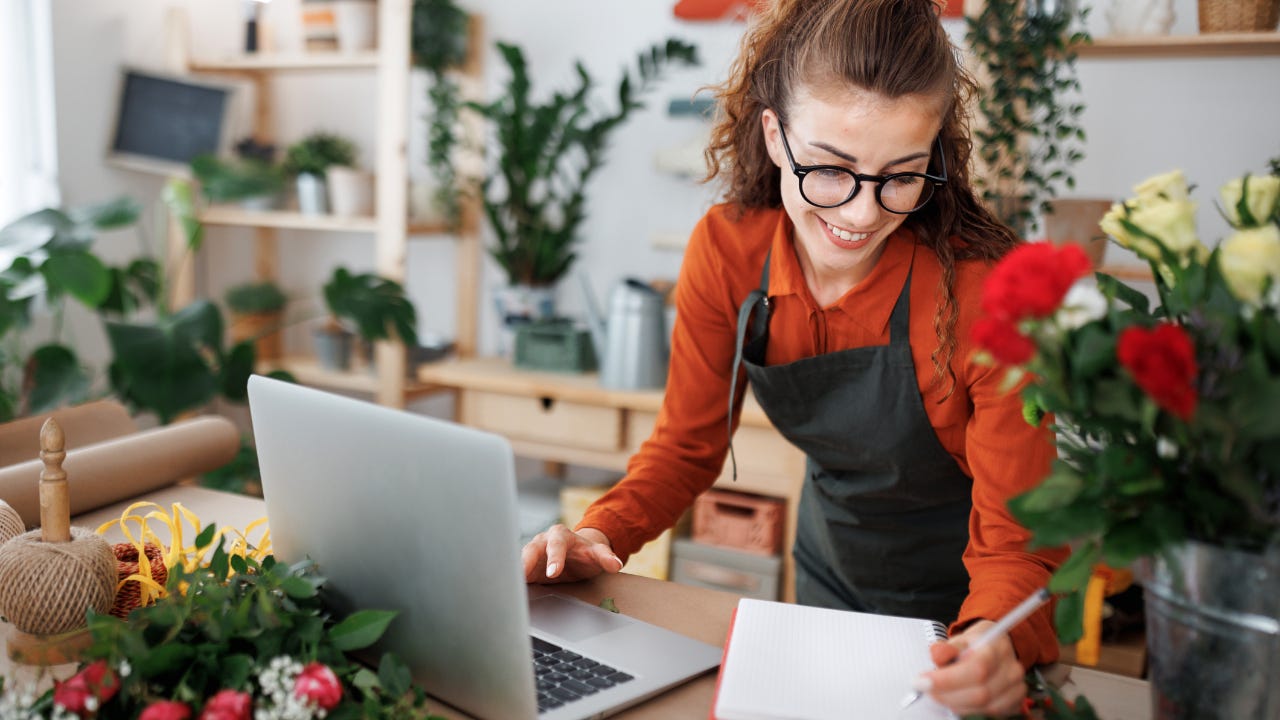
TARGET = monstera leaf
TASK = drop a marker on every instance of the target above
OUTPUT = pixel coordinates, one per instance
(171, 365)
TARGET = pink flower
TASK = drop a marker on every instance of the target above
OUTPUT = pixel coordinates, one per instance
(84, 692)
(228, 705)
(318, 685)
(166, 710)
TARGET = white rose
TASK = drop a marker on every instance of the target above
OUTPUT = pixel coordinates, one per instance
(1170, 186)
(1083, 304)
(1248, 259)
(1263, 195)
(1111, 224)
(1173, 223)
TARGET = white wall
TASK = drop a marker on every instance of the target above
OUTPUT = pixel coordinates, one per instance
(1212, 117)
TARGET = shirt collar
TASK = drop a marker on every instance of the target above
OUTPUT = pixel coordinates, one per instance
(870, 303)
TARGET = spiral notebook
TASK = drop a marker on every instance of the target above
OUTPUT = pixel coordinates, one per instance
(794, 662)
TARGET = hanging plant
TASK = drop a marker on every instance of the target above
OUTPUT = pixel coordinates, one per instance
(438, 40)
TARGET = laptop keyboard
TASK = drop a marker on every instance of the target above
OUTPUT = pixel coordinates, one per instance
(564, 676)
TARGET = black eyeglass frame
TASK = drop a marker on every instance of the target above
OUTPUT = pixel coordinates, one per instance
(858, 178)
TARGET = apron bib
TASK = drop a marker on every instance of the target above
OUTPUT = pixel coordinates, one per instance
(883, 517)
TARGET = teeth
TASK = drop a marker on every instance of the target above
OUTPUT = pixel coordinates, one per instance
(845, 234)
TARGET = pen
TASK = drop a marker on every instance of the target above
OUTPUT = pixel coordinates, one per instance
(1000, 629)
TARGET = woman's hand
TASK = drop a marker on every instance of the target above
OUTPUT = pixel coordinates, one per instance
(987, 681)
(560, 555)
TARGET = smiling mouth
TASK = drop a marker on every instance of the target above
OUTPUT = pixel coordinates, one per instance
(845, 235)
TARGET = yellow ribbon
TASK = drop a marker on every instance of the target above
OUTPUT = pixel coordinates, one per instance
(189, 557)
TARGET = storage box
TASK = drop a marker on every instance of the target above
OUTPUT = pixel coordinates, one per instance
(554, 345)
(716, 568)
(653, 560)
(740, 521)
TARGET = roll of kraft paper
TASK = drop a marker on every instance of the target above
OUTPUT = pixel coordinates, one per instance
(127, 466)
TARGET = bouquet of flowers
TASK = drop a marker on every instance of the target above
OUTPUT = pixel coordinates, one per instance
(1168, 417)
(239, 637)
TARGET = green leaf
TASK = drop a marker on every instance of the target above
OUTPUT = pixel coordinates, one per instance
(205, 538)
(1095, 351)
(1058, 490)
(361, 629)
(113, 214)
(609, 605)
(394, 675)
(366, 680)
(1068, 617)
(236, 371)
(161, 659)
(78, 272)
(57, 379)
(1074, 574)
(235, 669)
(298, 587)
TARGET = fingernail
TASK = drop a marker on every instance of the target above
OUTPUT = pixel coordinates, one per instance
(551, 569)
(922, 684)
(618, 560)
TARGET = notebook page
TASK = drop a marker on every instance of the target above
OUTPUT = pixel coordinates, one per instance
(792, 662)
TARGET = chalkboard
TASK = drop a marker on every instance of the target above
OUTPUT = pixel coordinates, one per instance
(164, 121)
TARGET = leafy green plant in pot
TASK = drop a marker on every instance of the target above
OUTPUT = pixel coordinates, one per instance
(308, 160)
(252, 178)
(544, 154)
(257, 311)
(1028, 133)
(377, 307)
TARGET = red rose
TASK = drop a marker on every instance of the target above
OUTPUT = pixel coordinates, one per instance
(166, 710)
(84, 692)
(1162, 362)
(318, 685)
(1003, 341)
(1032, 280)
(228, 705)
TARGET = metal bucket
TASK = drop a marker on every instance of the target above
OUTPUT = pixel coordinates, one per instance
(1213, 634)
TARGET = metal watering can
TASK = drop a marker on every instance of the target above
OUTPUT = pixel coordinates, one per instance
(631, 343)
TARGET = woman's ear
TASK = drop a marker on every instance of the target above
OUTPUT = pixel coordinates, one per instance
(770, 125)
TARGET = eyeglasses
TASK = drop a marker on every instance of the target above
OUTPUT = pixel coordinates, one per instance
(828, 186)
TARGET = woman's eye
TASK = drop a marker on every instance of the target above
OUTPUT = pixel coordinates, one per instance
(826, 173)
(905, 180)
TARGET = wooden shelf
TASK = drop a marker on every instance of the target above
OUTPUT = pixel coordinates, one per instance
(1138, 273)
(268, 62)
(231, 215)
(1212, 44)
(360, 378)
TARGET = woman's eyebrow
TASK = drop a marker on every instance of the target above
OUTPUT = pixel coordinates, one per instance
(853, 160)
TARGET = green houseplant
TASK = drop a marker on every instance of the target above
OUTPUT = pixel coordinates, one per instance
(544, 154)
(257, 311)
(308, 159)
(1028, 133)
(252, 177)
(438, 40)
(378, 308)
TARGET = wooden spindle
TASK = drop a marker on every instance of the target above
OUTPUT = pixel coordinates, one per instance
(55, 502)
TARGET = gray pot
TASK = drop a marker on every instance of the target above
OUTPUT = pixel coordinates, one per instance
(1213, 633)
(312, 195)
(332, 347)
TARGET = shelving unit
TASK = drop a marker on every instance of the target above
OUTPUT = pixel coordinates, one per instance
(389, 67)
(1207, 45)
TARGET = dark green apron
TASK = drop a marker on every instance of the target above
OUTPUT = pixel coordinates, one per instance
(883, 518)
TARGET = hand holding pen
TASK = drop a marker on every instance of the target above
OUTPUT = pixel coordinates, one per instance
(992, 633)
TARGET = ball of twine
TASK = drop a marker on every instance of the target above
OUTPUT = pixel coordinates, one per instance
(11, 525)
(45, 588)
(129, 596)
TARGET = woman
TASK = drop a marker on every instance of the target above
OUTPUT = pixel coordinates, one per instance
(842, 276)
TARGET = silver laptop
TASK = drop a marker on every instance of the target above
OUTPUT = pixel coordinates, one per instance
(409, 513)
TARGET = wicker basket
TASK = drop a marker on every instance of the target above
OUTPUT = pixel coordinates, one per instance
(1218, 16)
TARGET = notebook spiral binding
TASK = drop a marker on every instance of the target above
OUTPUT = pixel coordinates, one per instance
(936, 632)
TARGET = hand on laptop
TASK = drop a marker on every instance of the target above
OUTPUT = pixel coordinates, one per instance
(560, 555)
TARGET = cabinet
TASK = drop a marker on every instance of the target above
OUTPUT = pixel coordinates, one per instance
(390, 232)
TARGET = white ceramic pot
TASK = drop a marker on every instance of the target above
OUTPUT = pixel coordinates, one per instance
(357, 23)
(312, 198)
(350, 191)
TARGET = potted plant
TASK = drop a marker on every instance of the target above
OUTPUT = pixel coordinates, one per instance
(1168, 432)
(1028, 133)
(257, 310)
(375, 306)
(438, 40)
(543, 155)
(252, 178)
(308, 160)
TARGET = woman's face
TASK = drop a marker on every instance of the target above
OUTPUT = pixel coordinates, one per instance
(866, 133)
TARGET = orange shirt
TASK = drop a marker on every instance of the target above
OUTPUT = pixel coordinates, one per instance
(980, 424)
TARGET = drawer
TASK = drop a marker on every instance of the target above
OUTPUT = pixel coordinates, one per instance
(639, 428)
(589, 427)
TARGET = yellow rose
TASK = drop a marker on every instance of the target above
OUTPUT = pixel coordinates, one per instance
(1248, 259)
(1263, 195)
(1173, 223)
(1168, 186)
(1111, 225)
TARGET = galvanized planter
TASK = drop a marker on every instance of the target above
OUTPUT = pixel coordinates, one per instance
(1213, 634)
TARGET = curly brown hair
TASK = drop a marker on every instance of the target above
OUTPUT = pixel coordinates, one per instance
(892, 48)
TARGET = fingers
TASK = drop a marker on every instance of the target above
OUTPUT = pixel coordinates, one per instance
(609, 562)
(558, 538)
(561, 555)
(987, 680)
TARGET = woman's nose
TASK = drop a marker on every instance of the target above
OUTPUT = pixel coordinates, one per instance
(862, 211)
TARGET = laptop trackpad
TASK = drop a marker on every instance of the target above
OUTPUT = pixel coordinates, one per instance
(570, 620)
